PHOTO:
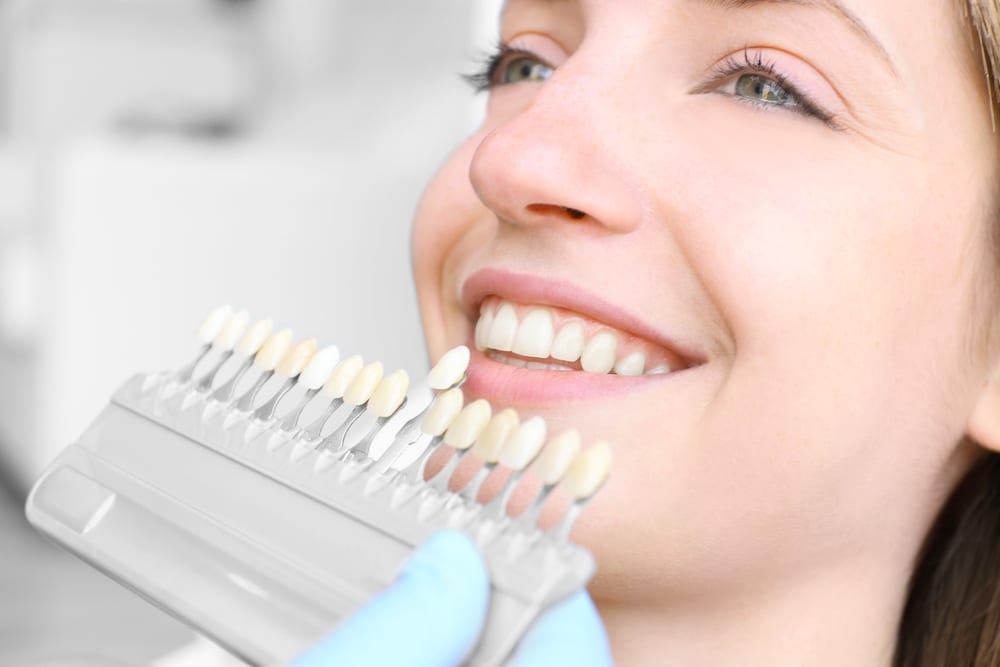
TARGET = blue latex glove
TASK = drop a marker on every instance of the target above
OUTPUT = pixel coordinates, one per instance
(433, 614)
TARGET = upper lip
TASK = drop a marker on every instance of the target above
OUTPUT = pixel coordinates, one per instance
(531, 289)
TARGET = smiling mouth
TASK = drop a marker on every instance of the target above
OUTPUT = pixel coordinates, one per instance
(536, 337)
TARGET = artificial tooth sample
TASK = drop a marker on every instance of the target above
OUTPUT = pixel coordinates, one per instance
(210, 328)
(342, 376)
(568, 343)
(588, 471)
(232, 330)
(504, 329)
(273, 350)
(535, 334)
(319, 368)
(450, 368)
(297, 358)
(389, 394)
(599, 354)
(523, 444)
(557, 456)
(469, 423)
(483, 328)
(363, 385)
(632, 364)
(255, 336)
(446, 407)
(491, 440)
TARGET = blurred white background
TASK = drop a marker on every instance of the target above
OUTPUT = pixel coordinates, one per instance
(161, 157)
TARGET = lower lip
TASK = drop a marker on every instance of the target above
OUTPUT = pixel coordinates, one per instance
(520, 386)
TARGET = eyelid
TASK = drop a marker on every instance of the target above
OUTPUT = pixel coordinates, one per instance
(752, 60)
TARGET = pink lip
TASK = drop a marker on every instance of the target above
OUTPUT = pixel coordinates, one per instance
(489, 377)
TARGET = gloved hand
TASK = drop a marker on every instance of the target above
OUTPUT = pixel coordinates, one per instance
(433, 614)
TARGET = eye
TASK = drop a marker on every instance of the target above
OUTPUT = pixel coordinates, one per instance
(763, 89)
(522, 68)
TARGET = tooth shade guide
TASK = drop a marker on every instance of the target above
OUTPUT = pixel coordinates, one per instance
(273, 350)
(297, 358)
(232, 331)
(213, 324)
(449, 369)
(320, 367)
(255, 335)
(342, 376)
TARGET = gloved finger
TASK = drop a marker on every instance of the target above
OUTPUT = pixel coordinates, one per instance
(431, 616)
(571, 633)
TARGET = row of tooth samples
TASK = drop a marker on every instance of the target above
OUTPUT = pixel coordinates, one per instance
(534, 335)
(495, 438)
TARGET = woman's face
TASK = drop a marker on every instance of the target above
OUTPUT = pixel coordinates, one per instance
(781, 203)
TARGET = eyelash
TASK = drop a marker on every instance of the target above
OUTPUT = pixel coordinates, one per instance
(485, 78)
(753, 62)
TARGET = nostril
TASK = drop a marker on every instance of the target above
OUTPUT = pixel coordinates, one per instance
(561, 211)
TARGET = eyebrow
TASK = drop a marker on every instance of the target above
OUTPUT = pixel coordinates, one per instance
(833, 6)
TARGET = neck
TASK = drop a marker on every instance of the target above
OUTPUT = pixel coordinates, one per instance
(845, 616)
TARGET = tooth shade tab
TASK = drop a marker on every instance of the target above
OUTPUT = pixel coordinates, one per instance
(631, 364)
(273, 350)
(389, 394)
(450, 368)
(442, 412)
(504, 329)
(568, 343)
(469, 423)
(363, 385)
(523, 444)
(213, 324)
(491, 440)
(535, 334)
(319, 368)
(297, 358)
(588, 471)
(255, 336)
(599, 353)
(342, 376)
(557, 456)
(232, 330)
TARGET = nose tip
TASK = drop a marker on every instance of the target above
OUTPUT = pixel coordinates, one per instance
(552, 165)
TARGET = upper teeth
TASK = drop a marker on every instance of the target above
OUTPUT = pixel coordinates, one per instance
(534, 335)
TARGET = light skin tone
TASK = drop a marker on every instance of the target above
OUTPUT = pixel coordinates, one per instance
(809, 247)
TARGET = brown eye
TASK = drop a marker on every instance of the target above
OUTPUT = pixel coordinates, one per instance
(525, 69)
(762, 89)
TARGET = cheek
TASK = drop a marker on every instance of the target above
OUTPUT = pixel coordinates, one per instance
(448, 212)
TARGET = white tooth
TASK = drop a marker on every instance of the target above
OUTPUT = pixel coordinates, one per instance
(363, 385)
(255, 336)
(534, 334)
(209, 329)
(469, 423)
(449, 369)
(491, 440)
(659, 370)
(632, 364)
(273, 349)
(297, 358)
(523, 444)
(446, 407)
(504, 329)
(568, 344)
(320, 367)
(588, 471)
(599, 354)
(232, 330)
(557, 456)
(483, 327)
(389, 394)
(342, 376)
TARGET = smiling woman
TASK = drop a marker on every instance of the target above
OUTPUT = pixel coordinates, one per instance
(754, 243)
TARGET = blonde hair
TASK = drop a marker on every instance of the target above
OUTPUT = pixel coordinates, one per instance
(985, 17)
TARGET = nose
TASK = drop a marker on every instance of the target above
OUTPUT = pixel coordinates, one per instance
(557, 161)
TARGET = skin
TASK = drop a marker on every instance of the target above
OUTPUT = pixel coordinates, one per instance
(766, 504)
